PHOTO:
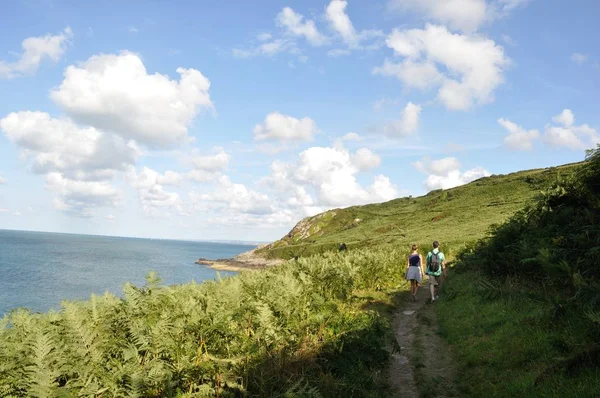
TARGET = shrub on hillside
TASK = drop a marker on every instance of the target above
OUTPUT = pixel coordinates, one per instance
(557, 239)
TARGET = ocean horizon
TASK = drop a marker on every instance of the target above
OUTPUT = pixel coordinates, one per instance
(40, 269)
(226, 241)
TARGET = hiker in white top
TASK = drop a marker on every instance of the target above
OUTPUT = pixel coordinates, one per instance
(436, 265)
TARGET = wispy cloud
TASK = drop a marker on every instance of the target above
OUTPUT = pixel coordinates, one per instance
(579, 58)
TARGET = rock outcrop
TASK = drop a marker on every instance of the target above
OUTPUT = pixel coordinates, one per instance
(249, 260)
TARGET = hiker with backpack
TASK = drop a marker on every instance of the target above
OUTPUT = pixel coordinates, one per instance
(414, 271)
(436, 265)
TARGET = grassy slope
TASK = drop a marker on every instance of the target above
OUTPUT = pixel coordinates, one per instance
(512, 344)
(522, 308)
(452, 216)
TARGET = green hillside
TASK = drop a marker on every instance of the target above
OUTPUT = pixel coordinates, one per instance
(454, 216)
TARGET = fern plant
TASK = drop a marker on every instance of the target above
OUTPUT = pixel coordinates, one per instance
(256, 334)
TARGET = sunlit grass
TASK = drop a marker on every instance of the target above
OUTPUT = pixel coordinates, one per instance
(506, 345)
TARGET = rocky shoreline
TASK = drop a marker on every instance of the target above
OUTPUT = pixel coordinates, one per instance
(247, 261)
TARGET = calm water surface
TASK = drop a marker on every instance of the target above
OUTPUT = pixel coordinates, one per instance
(38, 269)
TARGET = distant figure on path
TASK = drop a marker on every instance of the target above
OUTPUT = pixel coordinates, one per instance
(436, 264)
(414, 271)
(342, 247)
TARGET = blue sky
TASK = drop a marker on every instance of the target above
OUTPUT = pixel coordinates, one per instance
(200, 120)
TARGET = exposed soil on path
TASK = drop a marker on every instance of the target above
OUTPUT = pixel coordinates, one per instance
(423, 367)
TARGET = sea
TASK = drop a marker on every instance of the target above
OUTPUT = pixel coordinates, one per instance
(38, 269)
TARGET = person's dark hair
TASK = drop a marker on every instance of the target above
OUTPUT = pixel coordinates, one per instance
(414, 247)
(436, 244)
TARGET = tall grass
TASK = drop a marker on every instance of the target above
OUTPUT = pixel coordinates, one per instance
(296, 330)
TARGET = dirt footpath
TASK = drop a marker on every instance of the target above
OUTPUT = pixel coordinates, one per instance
(423, 367)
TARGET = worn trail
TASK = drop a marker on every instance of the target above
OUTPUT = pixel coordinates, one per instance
(423, 367)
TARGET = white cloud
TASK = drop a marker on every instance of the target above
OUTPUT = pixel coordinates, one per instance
(351, 137)
(264, 36)
(382, 189)
(240, 53)
(208, 167)
(2, 180)
(455, 178)
(338, 52)
(148, 178)
(285, 128)
(35, 50)
(283, 218)
(421, 75)
(59, 145)
(563, 137)
(155, 200)
(115, 93)
(216, 162)
(133, 29)
(18, 213)
(508, 40)
(275, 46)
(79, 162)
(110, 217)
(331, 174)
(80, 197)
(440, 166)
(407, 124)
(563, 134)
(2, 210)
(150, 185)
(340, 22)
(566, 118)
(295, 25)
(509, 5)
(268, 48)
(365, 159)
(445, 173)
(471, 66)
(518, 138)
(569, 135)
(579, 58)
(238, 198)
(464, 15)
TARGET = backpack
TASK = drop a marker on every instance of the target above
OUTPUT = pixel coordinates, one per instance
(434, 262)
